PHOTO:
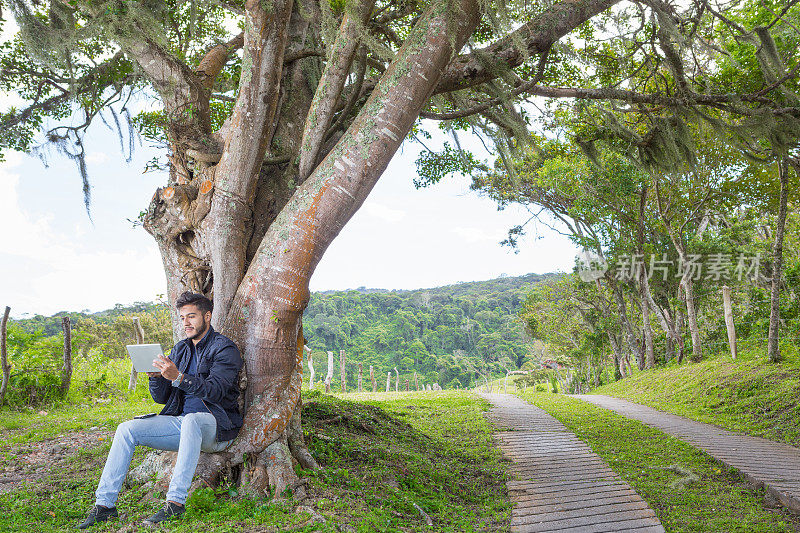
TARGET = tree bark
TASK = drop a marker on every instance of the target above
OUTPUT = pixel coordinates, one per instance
(66, 373)
(773, 348)
(360, 377)
(4, 354)
(138, 337)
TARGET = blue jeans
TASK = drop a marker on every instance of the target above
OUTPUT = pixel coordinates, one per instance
(186, 434)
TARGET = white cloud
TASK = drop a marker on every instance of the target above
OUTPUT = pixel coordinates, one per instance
(45, 270)
(384, 212)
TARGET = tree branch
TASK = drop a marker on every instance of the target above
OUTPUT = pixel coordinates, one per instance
(330, 86)
(214, 61)
(538, 35)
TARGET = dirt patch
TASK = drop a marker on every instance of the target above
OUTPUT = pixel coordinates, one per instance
(35, 461)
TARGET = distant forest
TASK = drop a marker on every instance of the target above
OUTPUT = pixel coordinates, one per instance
(451, 335)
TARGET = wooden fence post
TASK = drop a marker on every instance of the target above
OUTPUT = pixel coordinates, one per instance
(311, 372)
(342, 364)
(329, 375)
(729, 325)
(138, 337)
(4, 355)
(66, 374)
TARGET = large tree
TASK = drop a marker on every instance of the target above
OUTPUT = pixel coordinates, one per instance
(275, 135)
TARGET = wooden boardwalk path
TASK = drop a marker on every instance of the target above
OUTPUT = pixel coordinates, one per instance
(774, 465)
(561, 485)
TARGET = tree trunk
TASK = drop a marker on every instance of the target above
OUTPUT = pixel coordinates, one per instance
(681, 349)
(632, 339)
(416, 381)
(388, 380)
(667, 323)
(405, 382)
(644, 302)
(396, 380)
(372, 379)
(650, 357)
(773, 349)
(66, 373)
(343, 369)
(615, 351)
(360, 377)
(207, 222)
(329, 375)
(138, 337)
(727, 307)
(691, 318)
(4, 354)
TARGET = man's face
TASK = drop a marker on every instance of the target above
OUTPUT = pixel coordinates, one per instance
(195, 322)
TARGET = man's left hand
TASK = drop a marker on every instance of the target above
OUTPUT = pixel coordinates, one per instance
(167, 367)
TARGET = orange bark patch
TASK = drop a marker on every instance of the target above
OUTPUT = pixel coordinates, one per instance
(206, 187)
(168, 193)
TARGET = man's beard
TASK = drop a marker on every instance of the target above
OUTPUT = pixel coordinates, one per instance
(199, 332)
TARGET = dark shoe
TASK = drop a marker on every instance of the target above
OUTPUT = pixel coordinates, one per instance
(168, 512)
(97, 514)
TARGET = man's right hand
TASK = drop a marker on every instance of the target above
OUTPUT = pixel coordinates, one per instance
(154, 374)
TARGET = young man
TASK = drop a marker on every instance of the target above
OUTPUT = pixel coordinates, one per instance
(199, 386)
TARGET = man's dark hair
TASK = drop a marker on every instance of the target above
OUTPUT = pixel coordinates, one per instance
(190, 298)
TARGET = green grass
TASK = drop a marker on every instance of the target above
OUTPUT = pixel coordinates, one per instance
(381, 456)
(748, 395)
(718, 501)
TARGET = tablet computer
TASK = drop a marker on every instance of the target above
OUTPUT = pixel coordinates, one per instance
(142, 356)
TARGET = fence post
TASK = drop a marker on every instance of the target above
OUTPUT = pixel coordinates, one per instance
(311, 372)
(342, 363)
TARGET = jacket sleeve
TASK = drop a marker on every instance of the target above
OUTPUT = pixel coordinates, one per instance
(160, 386)
(223, 376)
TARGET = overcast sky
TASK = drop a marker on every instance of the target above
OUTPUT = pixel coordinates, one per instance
(54, 258)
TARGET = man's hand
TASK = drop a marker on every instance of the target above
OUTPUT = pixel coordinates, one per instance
(168, 369)
(153, 374)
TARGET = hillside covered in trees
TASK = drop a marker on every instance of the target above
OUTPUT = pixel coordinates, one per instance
(451, 335)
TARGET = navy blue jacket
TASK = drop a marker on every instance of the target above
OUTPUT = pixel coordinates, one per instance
(216, 381)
